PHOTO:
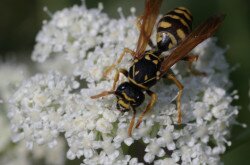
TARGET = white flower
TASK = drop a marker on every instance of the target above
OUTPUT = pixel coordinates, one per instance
(5, 133)
(12, 75)
(51, 104)
(167, 161)
(36, 108)
(103, 125)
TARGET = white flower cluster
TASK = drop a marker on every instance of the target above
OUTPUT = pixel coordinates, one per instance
(16, 73)
(84, 39)
(8, 84)
(12, 74)
(53, 104)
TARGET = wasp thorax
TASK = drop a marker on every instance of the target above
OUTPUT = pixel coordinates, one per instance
(128, 96)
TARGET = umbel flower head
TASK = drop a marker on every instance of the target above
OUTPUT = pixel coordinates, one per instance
(83, 42)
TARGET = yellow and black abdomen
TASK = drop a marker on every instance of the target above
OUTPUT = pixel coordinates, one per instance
(173, 27)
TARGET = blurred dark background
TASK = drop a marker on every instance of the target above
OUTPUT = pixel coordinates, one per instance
(21, 20)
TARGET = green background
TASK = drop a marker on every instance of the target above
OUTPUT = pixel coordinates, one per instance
(20, 20)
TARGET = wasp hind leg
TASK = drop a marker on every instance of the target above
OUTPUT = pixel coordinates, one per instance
(125, 50)
(148, 108)
(191, 59)
(178, 101)
(112, 91)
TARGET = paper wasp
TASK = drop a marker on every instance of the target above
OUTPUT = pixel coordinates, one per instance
(173, 32)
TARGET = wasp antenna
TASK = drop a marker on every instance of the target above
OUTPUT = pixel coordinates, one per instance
(104, 93)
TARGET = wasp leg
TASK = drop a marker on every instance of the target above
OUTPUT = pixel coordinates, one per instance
(112, 91)
(125, 50)
(117, 75)
(148, 108)
(191, 59)
(132, 122)
(138, 25)
(180, 86)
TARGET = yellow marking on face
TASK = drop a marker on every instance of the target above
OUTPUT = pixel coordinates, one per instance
(136, 73)
(136, 60)
(147, 57)
(183, 22)
(155, 62)
(146, 77)
(123, 104)
(164, 24)
(184, 8)
(139, 85)
(181, 34)
(127, 97)
(184, 13)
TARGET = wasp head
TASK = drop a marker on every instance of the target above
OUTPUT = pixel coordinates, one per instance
(128, 96)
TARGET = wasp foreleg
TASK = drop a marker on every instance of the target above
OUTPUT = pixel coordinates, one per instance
(116, 79)
(149, 106)
(125, 50)
(117, 75)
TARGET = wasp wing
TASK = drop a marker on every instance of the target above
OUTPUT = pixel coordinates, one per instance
(148, 19)
(201, 33)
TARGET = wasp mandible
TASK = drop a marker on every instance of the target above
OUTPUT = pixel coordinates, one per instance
(174, 32)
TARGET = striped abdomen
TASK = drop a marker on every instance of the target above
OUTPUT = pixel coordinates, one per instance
(173, 27)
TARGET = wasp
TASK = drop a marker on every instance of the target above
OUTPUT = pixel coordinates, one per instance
(174, 32)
